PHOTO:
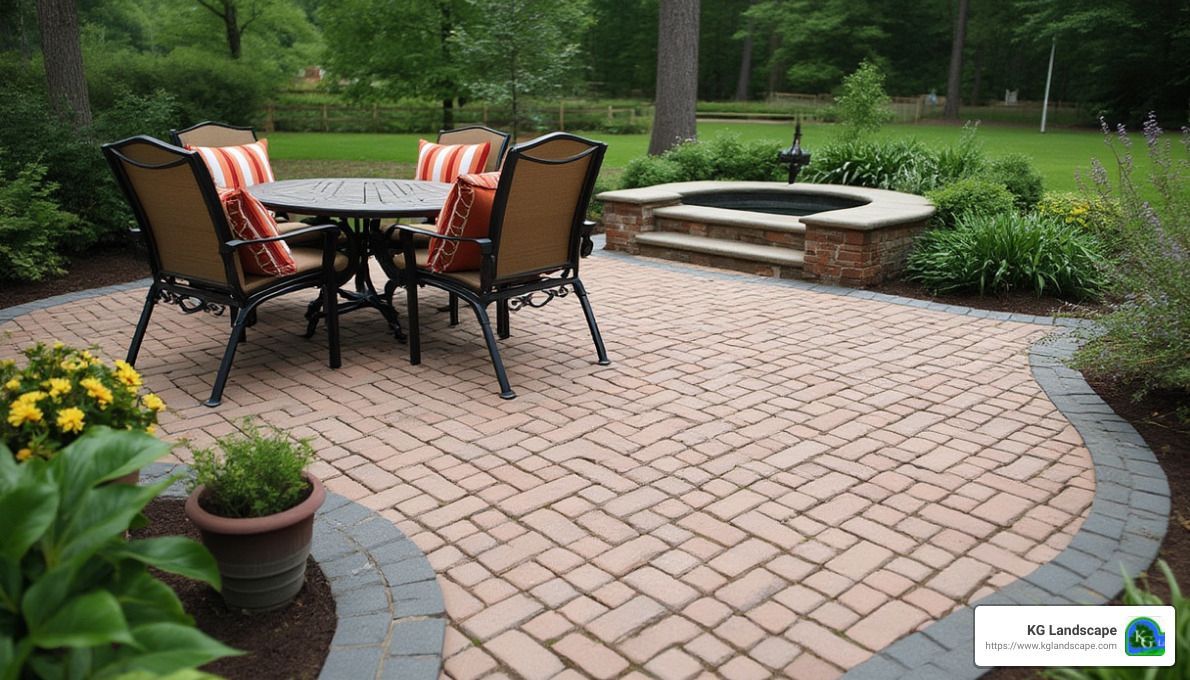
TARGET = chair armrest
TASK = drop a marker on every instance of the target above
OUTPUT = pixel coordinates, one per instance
(318, 229)
(485, 244)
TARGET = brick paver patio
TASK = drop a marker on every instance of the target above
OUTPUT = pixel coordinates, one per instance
(766, 482)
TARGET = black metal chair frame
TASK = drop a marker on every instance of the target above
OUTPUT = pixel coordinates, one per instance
(193, 296)
(508, 295)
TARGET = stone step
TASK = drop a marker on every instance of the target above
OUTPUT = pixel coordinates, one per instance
(774, 261)
(732, 225)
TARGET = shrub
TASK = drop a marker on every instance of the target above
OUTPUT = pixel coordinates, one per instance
(1146, 339)
(863, 106)
(1017, 174)
(78, 599)
(33, 228)
(970, 196)
(964, 159)
(1179, 637)
(901, 165)
(257, 474)
(722, 158)
(1004, 252)
(61, 392)
(1096, 214)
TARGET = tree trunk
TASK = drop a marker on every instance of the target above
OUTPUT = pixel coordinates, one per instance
(677, 75)
(58, 21)
(448, 113)
(954, 79)
(231, 21)
(745, 77)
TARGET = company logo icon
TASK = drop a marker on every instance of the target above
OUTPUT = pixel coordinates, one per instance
(1143, 637)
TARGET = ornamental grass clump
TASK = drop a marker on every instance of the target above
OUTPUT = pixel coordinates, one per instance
(61, 392)
(1005, 252)
(254, 474)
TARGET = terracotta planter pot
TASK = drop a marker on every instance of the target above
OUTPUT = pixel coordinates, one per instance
(262, 559)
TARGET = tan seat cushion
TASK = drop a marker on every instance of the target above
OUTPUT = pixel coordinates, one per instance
(422, 256)
(306, 259)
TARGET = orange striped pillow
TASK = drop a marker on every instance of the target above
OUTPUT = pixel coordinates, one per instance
(446, 162)
(249, 219)
(233, 167)
(466, 212)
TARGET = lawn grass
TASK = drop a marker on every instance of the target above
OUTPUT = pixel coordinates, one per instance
(1057, 154)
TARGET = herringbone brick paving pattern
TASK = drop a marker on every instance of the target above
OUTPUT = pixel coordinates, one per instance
(766, 482)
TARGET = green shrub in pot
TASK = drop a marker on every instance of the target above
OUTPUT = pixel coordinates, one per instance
(76, 597)
(254, 506)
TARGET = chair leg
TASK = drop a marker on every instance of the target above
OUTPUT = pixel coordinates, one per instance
(330, 294)
(486, 325)
(590, 314)
(502, 329)
(454, 309)
(235, 314)
(312, 311)
(229, 354)
(142, 325)
(414, 321)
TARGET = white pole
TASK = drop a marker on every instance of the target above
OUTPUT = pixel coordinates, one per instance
(1049, 76)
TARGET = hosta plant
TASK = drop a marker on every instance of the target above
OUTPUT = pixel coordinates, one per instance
(76, 597)
(60, 392)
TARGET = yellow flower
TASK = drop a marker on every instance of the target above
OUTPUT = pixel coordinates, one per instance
(90, 359)
(151, 428)
(24, 454)
(21, 412)
(13, 384)
(71, 366)
(153, 402)
(97, 391)
(70, 420)
(58, 344)
(32, 397)
(58, 386)
(126, 374)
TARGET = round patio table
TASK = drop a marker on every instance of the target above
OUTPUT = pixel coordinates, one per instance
(361, 203)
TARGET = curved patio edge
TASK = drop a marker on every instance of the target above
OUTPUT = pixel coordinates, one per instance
(1122, 533)
(391, 615)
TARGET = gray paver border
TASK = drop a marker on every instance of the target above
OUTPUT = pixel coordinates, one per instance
(391, 616)
(1125, 528)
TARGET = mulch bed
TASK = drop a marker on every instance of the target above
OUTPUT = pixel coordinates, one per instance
(1019, 303)
(288, 643)
(104, 267)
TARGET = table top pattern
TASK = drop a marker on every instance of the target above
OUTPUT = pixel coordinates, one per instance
(354, 197)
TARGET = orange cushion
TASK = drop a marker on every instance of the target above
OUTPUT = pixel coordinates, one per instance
(233, 167)
(466, 212)
(249, 219)
(445, 162)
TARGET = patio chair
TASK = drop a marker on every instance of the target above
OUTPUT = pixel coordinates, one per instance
(533, 243)
(194, 255)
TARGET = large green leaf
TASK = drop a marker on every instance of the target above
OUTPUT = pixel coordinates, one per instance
(84, 621)
(187, 674)
(145, 599)
(98, 515)
(167, 647)
(28, 510)
(175, 554)
(11, 585)
(101, 455)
